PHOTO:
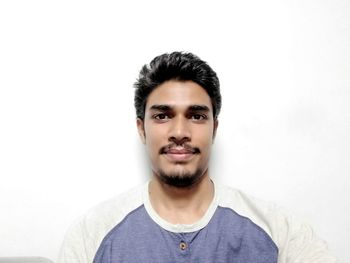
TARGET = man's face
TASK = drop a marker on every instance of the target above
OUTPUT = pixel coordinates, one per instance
(178, 131)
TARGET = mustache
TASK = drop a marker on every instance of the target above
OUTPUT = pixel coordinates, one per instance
(187, 147)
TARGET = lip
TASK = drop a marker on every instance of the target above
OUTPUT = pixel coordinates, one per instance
(179, 156)
(179, 151)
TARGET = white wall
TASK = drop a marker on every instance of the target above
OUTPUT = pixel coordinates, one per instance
(67, 126)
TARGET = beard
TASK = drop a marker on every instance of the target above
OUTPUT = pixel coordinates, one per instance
(180, 180)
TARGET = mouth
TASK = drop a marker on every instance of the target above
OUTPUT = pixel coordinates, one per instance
(179, 153)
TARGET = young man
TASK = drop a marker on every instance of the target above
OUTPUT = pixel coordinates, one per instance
(181, 215)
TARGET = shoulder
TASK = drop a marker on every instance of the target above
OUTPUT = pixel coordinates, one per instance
(86, 234)
(260, 212)
(112, 211)
(293, 236)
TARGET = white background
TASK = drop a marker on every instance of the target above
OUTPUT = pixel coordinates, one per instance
(68, 137)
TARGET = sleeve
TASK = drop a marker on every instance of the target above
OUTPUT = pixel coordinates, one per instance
(73, 249)
(302, 245)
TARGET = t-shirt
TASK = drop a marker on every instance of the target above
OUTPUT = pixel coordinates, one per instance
(235, 228)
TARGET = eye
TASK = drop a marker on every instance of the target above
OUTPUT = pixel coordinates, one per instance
(161, 116)
(198, 117)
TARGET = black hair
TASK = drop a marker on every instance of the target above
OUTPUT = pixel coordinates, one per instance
(176, 66)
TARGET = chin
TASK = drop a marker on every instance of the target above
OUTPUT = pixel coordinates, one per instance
(180, 179)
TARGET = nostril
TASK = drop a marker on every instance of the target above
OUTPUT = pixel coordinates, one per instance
(179, 141)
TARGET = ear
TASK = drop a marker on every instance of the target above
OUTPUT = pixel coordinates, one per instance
(216, 124)
(141, 130)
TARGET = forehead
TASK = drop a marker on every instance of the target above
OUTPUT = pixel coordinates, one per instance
(179, 94)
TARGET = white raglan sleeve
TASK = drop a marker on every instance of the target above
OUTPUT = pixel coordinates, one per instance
(301, 245)
(73, 249)
(84, 237)
(294, 238)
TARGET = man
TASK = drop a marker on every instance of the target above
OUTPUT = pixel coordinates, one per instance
(181, 215)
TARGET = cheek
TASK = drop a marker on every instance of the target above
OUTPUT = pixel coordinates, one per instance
(205, 136)
(154, 137)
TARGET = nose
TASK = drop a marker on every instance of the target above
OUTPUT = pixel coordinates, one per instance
(179, 131)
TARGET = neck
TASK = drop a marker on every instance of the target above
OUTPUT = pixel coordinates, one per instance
(181, 205)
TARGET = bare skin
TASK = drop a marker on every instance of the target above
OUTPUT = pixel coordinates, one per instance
(179, 118)
(181, 205)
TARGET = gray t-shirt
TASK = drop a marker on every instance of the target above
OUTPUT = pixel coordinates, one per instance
(228, 237)
(235, 228)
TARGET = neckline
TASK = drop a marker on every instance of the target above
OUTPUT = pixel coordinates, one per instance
(180, 228)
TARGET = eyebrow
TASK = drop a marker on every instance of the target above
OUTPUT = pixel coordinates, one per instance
(161, 107)
(165, 107)
(198, 108)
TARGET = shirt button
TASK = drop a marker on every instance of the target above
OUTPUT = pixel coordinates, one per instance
(183, 245)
